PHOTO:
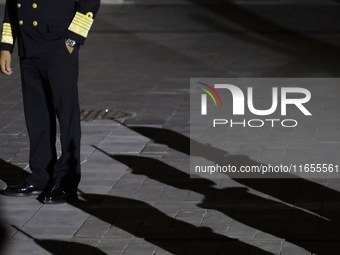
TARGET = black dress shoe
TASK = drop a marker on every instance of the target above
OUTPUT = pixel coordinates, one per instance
(58, 195)
(22, 190)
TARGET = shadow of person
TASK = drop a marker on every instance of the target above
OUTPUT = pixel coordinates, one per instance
(144, 221)
(275, 218)
(3, 234)
(63, 247)
(290, 189)
(12, 175)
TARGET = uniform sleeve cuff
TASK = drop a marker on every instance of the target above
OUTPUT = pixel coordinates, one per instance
(79, 39)
(6, 46)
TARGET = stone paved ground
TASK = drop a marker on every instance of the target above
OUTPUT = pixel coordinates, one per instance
(136, 195)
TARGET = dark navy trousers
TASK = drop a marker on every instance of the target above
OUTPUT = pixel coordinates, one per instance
(49, 87)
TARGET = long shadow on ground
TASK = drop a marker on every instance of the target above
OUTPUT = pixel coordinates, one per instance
(275, 218)
(301, 219)
(290, 189)
(175, 236)
(11, 174)
(3, 234)
(57, 247)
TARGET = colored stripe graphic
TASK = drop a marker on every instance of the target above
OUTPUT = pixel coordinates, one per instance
(208, 94)
(213, 91)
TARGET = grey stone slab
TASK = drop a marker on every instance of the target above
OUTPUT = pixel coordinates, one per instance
(21, 203)
(17, 216)
(57, 232)
(99, 189)
(194, 197)
(294, 250)
(188, 214)
(100, 174)
(100, 182)
(152, 183)
(273, 247)
(119, 233)
(172, 194)
(140, 247)
(155, 148)
(113, 167)
(241, 231)
(148, 193)
(94, 160)
(116, 147)
(28, 246)
(93, 228)
(213, 216)
(54, 223)
(113, 245)
(168, 205)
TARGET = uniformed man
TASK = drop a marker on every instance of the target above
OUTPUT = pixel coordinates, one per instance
(49, 34)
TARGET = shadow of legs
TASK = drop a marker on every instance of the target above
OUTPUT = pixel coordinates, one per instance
(11, 174)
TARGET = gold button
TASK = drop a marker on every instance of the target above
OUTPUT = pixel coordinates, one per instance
(18, 5)
(21, 22)
(34, 5)
(35, 23)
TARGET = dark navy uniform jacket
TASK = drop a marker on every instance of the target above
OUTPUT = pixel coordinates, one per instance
(41, 26)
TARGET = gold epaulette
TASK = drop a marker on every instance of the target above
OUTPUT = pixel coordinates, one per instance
(7, 36)
(81, 23)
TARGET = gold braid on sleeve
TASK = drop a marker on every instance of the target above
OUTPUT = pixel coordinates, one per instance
(7, 36)
(81, 23)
